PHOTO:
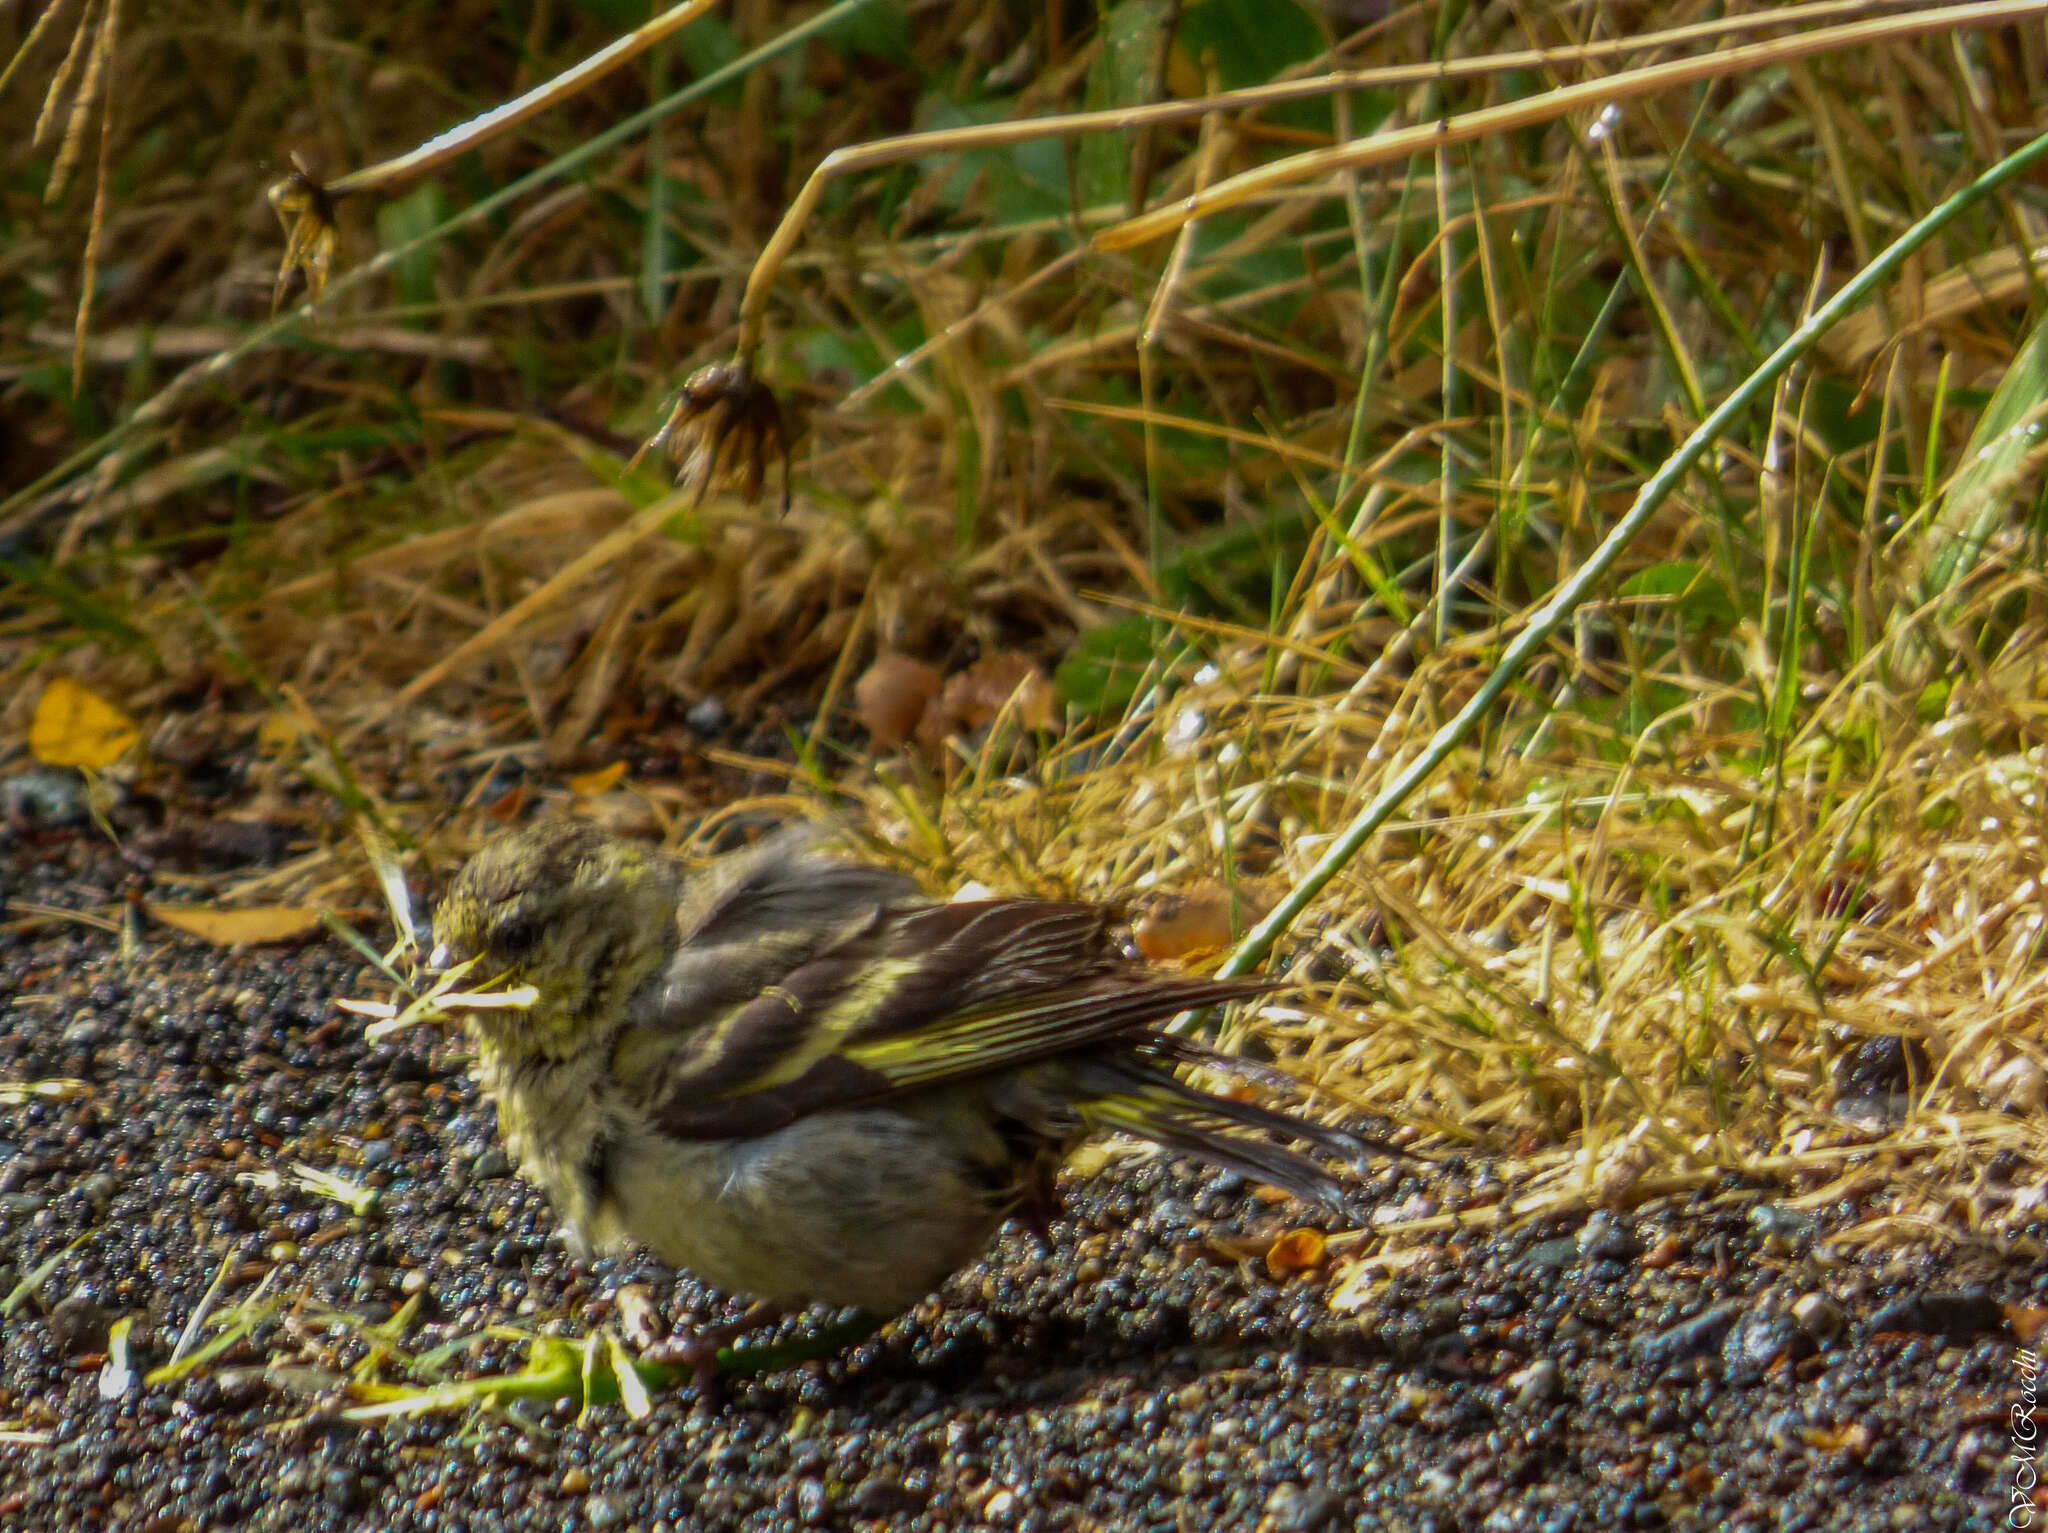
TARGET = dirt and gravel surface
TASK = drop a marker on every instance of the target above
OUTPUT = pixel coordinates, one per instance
(1705, 1361)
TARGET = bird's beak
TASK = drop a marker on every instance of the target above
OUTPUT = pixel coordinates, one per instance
(440, 961)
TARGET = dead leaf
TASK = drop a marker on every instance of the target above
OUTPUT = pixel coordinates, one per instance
(603, 780)
(238, 928)
(2025, 1321)
(1664, 1253)
(1181, 923)
(892, 697)
(74, 726)
(1299, 1250)
(509, 805)
(979, 694)
(278, 733)
(1853, 1437)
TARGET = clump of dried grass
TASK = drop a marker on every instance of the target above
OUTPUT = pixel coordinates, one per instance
(1632, 965)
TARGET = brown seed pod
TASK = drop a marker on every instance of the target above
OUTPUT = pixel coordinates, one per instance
(725, 419)
(306, 210)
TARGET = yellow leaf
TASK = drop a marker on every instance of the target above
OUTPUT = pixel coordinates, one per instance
(2025, 1321)
(601, 781)
(1853, 1437)
(74, 726)
(278, 733)
(238, 928)
(1296, 1251)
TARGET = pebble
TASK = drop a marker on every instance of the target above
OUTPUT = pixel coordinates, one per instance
(1436, 1485)
(1818, 1315)
(79, 1323)
(1759, 1339)
(1776, 1219)
(345, 1490)
(1702, 1334)
(1605, 1236)
(707, 716)
(1959, 1316)
(1538, 1384)
(1552, 1253)
(1295, 1509)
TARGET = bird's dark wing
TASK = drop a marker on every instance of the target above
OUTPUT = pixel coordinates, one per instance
(784, 884)
(919, 998)
(748, 923)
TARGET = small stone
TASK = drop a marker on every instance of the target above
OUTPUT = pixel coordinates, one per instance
(490, 1165)
(1959, 1317)
(1296, 1509)
(882, 1495)
(1538, 1384)
(1775, 1219)
(605, 1511)
(1695, 1337)
(1604, 1236)
(575, 1481)
(1818, 1316)
(1664, 1253)
(1437, 1485)
(79, 1324)
(813, 1505)
(1760, 1339)
(344, 1490)
(1551, 1253)
(44, 798)
(707, 716)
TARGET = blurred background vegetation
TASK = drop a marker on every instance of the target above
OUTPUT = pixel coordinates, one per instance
(1131, 571)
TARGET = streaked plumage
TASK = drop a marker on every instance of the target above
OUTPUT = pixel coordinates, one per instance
(797, 1078)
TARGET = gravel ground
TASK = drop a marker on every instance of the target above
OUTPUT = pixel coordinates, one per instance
(1698, 1363)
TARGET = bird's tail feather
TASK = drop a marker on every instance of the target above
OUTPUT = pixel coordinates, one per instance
(1159, 1107)
(1359, 1151)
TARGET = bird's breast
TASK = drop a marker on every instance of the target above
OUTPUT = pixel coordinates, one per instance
(555, 1123)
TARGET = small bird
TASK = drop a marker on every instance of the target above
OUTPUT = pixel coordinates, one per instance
(801, 1080)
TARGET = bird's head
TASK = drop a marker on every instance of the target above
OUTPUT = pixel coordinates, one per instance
(580, 914)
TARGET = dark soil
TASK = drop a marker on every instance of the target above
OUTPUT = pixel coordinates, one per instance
(1704, 1362)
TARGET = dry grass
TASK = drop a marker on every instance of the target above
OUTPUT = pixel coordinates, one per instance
(1729, 832)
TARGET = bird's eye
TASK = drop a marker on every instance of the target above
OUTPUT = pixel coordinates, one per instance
(515, 937)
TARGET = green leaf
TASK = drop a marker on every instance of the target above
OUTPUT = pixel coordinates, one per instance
(1121, 75)
(1249, 42)
(2001, 452)
(1101, 673)
(1687, 585)
(1931, 706)
(881, 32)
(403, 220)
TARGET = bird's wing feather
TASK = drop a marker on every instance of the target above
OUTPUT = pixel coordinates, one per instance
(784, 884)
(920, 998)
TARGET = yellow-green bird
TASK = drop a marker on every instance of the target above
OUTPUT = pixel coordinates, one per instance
(801, 1080)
